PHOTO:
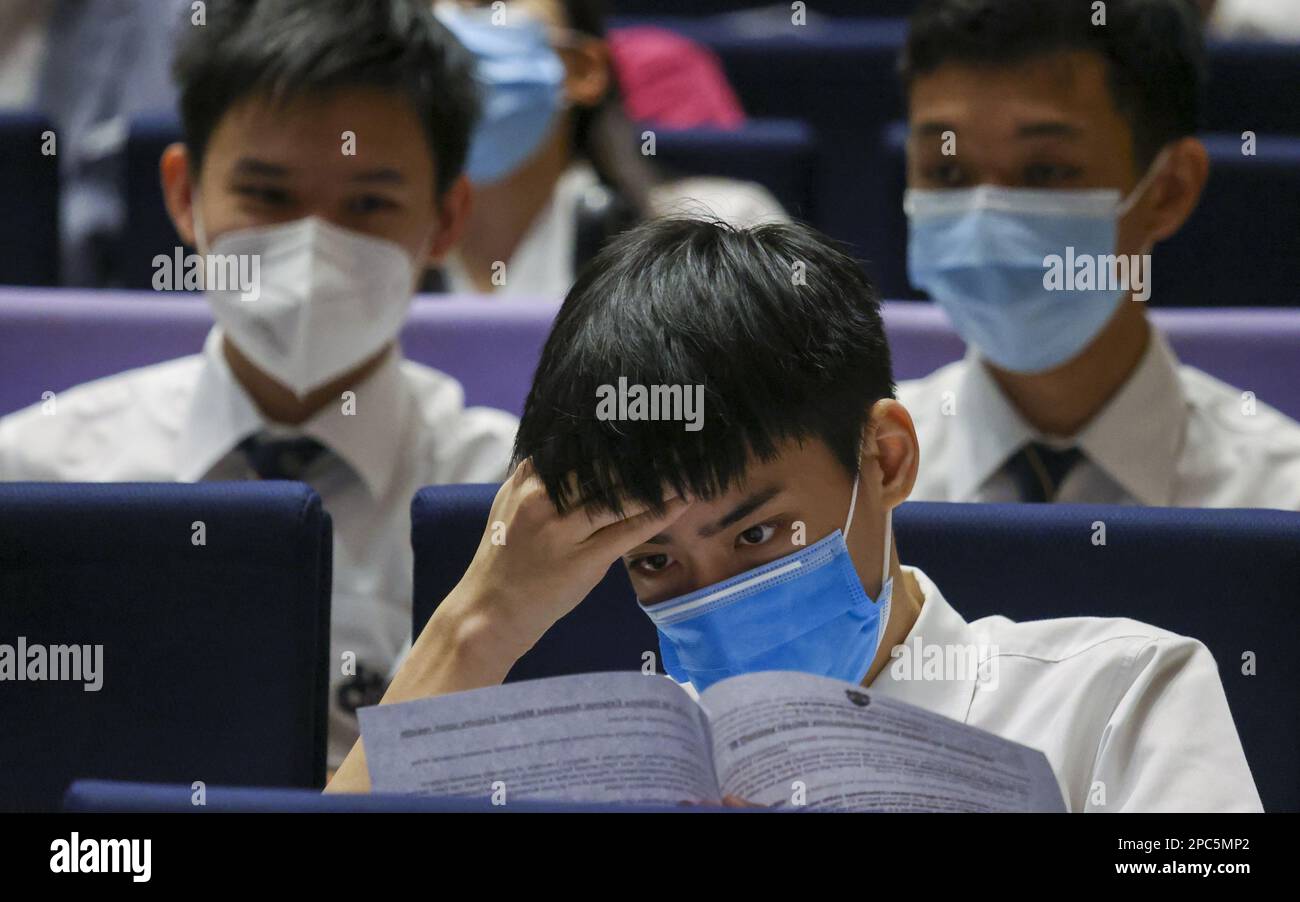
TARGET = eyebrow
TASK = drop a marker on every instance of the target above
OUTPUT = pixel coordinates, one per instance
(387, 174)
(1045, 128)
(1041, 129)
(742, 510)
(254, 166)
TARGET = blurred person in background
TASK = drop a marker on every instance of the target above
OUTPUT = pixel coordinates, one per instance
(1252, 20)
(1035, 133)
(556, 165)
(89, 66)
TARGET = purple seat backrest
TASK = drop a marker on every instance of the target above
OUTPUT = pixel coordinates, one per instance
(51, 340)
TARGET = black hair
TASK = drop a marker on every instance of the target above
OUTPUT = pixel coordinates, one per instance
(285, 48)
(1153, 50)
(780, 327)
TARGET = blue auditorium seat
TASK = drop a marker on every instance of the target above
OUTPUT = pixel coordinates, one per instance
(149, 230)
(607, 632)
(1247, 84)
(152, 798)
(839, 77)
(29, 185)
(1229, 578)
(779, 154)
(1241, 248)
(214, 656)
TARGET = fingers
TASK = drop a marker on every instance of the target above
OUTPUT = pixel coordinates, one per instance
(598, 527)
(623, 535)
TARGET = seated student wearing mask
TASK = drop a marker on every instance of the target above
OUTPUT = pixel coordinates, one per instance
(1037, 134)
(556, 166)
(802, 456)
(306, 380)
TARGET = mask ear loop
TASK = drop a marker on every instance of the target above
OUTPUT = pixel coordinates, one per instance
(853, 503)
(1143, 184)
(889, 546)
(200, 234)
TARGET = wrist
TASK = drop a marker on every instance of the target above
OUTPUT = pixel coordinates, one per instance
(479, 624)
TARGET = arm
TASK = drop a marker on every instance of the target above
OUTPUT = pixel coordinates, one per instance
(510, 596)
(1170, 744)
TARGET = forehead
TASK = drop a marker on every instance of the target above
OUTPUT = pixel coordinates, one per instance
(307, 133)
(1070, 86)
(806, 474)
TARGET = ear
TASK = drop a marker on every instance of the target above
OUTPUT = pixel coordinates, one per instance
(178, 190)
(453, 214)
(586, 71)
(1177, 189)
(892, 442)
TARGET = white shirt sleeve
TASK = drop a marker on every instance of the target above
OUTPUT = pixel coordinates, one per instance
(1170, 743)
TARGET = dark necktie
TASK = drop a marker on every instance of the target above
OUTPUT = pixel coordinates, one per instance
(1039, 470)
(280, 458)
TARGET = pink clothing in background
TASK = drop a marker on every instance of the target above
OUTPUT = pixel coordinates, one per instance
(672, 81)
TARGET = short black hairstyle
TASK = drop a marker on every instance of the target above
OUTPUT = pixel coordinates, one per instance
(780, 327)
(286, 48)
(1153, 50)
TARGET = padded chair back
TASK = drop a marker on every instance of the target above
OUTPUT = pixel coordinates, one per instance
(209, 605)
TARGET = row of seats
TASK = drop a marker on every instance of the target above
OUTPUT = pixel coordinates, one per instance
(124, 796)
(215, 652)
(1239, 248)
(54, 339)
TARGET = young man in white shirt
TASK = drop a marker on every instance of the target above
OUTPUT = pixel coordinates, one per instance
(302, 378)
(1044, 139)
(790, 473)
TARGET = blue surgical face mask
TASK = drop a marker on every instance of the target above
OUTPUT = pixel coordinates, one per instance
(981, 254)
(521, 87)
(806, 612)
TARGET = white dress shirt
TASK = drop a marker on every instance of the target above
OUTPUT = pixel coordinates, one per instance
(1254, 20)
(1172, 436)
(182, 421)
(24, 31)
(1128, 715)
(542, 265)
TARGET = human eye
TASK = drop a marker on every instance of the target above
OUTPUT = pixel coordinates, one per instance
(370, 203)
(263, 195)
(945, 174)
(1048, 175)
(759, 534)
(650, 564)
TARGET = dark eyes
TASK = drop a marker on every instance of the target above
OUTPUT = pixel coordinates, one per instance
(360, 205)
(652, 563)
(756, 535)
(268, 196)
(1035, 175)
(946, 175)
(1047, 175)
(370, 203)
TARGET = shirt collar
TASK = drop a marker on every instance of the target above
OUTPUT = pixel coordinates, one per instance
(1148, 412)
(222, 415)
(937, 626)
(996, 430)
